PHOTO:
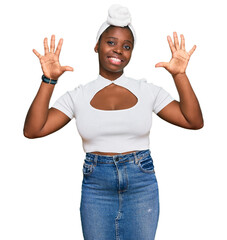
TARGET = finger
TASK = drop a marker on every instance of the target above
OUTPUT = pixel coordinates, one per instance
(37, 54)
(192, 50)
(172, 48)
(161, 64)
(67, 68)
(52, 43)
(176, 43)
(46, 48)
(182, 45)
(58, 49)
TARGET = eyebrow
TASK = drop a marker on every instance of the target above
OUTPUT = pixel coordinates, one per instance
(124, 40)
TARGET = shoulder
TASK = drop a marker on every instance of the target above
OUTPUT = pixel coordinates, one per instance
(80, 88)
(144, 85)
(142, 81)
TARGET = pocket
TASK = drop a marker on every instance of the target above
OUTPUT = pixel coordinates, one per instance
(146, 164)
(88, 167)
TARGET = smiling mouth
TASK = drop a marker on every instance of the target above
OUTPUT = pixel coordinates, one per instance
(115, 60)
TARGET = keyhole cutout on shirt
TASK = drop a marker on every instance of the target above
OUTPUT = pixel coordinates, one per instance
(113, 97)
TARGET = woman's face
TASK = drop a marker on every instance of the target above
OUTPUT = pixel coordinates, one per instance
(115, 50)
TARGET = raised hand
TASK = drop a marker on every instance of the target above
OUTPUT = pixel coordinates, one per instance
(180, 57)
(50, 61)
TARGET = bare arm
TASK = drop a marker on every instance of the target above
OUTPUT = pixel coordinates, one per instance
(40, 120)
(186, 113)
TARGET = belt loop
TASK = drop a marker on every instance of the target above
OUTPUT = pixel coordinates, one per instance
(95, 159)
(136, 159)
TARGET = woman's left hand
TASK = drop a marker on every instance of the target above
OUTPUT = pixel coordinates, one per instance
(180, 57)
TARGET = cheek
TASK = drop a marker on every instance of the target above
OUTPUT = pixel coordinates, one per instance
(128, 56)
(102, 53)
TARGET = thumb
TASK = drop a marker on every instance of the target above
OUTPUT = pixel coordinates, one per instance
(67, 68)
(161, 64)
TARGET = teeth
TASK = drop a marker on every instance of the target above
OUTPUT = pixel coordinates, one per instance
(116, 59)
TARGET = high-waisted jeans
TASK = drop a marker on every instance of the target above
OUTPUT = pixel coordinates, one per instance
(119, 197)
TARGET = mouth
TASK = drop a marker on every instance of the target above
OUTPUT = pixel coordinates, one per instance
(115, 60)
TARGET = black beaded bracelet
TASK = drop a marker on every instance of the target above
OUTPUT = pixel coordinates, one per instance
(48, 80)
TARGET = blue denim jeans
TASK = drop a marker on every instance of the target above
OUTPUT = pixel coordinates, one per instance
(119, 197)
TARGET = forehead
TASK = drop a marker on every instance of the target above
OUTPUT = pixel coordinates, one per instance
(118, 32)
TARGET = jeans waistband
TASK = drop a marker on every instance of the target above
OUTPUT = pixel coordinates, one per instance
(137, 155)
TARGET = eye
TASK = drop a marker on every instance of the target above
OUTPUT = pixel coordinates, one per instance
(110, 43)
(127, 47)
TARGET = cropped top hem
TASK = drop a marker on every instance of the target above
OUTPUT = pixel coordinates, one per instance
(120, 151)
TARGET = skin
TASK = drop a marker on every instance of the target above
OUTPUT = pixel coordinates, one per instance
(115, 42)
(40, 120)
(186, 113)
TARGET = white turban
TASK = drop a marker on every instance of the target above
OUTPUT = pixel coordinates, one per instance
(117, 16)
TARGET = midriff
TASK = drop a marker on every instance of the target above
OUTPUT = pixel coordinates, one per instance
(109, 153)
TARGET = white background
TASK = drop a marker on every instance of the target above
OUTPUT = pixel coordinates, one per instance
(40, 179)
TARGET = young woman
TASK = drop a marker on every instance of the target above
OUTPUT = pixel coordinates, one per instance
(113, 115)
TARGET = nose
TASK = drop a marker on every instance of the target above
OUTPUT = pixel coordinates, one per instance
(117, 50)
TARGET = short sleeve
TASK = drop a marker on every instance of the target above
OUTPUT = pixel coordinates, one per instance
(66, 103)
(161, 98)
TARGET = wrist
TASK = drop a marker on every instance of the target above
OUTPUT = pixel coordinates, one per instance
(48, 80)
(179, 75)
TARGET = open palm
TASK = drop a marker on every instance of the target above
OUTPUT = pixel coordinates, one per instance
(180, 57)
(50, 61)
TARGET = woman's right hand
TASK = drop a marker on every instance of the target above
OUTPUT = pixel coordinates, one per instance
(50, 61)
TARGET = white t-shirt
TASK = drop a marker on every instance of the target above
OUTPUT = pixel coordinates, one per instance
(114, 130)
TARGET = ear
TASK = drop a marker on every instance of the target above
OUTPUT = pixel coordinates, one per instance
(96, 47)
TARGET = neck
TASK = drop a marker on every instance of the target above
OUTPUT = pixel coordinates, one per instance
(111, 75)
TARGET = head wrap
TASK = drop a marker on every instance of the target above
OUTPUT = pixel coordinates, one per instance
(117, 16)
